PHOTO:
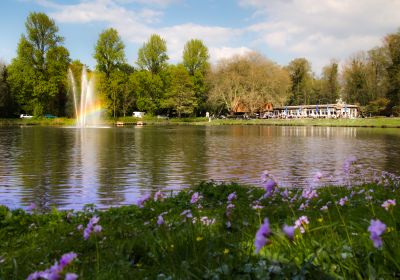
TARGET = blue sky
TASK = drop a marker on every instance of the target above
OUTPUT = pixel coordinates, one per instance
(319, 30)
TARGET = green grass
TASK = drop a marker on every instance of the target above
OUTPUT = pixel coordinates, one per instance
(150, 120)
(335, 245)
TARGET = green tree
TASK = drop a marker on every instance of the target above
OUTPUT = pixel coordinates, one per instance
(392, 46)
(6, 100)
(355, 75)
(180, 96)
(300, 76)
(195, 56)
(150, 91)
(330, 87)
(109, 52)
(37, 75)
(122, 87)
(153, 55)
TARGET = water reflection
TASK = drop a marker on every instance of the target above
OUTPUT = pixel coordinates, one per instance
(68, 167)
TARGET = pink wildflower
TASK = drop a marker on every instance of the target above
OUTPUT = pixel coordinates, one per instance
(301, 222)
(158, 196)
(309, 193)
(343, 201)
(389, 203)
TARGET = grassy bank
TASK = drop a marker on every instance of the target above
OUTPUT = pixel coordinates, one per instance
(209, 232)
(148, 120)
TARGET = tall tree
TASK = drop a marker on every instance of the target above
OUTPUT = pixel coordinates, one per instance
(152, 56)
(355, 87)
(248, 82)
(195, 56)
(180, 96)
(300, 75)
(37, 75)
(392, 45)
(6, 100)
(330, 83)
(109, 52)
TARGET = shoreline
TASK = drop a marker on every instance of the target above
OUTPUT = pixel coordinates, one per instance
(378, 122)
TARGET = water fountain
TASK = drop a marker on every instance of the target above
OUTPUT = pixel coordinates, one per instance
(87, 108)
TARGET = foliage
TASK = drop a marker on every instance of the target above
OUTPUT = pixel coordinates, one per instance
(249, 82)
(6, 100)
(300, 76)
(180, 96)
(150, 91)
(195, 56)
(152, 56)
(199, 236)
(109, 52)
(330, 84)
(37, 76)
(392, 46)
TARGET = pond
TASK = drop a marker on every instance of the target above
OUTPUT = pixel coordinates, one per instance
(69, 167)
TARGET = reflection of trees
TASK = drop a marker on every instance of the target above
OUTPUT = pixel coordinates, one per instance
(391, 145)
(169, 156)
(43, 165)
(114, 147)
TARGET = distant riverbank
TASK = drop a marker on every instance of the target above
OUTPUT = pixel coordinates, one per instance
(381, 122)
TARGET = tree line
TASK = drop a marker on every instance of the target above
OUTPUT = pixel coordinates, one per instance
(35, 81)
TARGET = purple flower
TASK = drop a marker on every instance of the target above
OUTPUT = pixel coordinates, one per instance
(195, 197)
(53, 273)
(388, 203)
(160, 220)
(91, 226)
(343, 201)
(80, 227)
(270, 186)
(66, 259)
(158, 196)
(309, 193)
(230, 206)
(376, 229)
(187, 214)
(289, 231)
(262, 235)
(140, 202)
(232, 196)
(71, 276)
(324, 208)
(97, 228)
(285, 194)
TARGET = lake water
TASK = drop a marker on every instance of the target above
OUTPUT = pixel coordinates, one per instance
(69, 167)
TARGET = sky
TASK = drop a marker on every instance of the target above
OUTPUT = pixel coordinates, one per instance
(281, 30)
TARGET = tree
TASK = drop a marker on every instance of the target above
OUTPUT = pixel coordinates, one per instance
(195, 56)
(330, 83)
(6, 100)
(153, 55)
(180, 96)
(150, 91)
(249, 82)
(109, 52)
(392, 46)
(37, 75)
(300, 76)
(355, 86)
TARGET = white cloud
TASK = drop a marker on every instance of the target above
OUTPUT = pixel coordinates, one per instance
(218, 53)
(321, 30)
(136, 26)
